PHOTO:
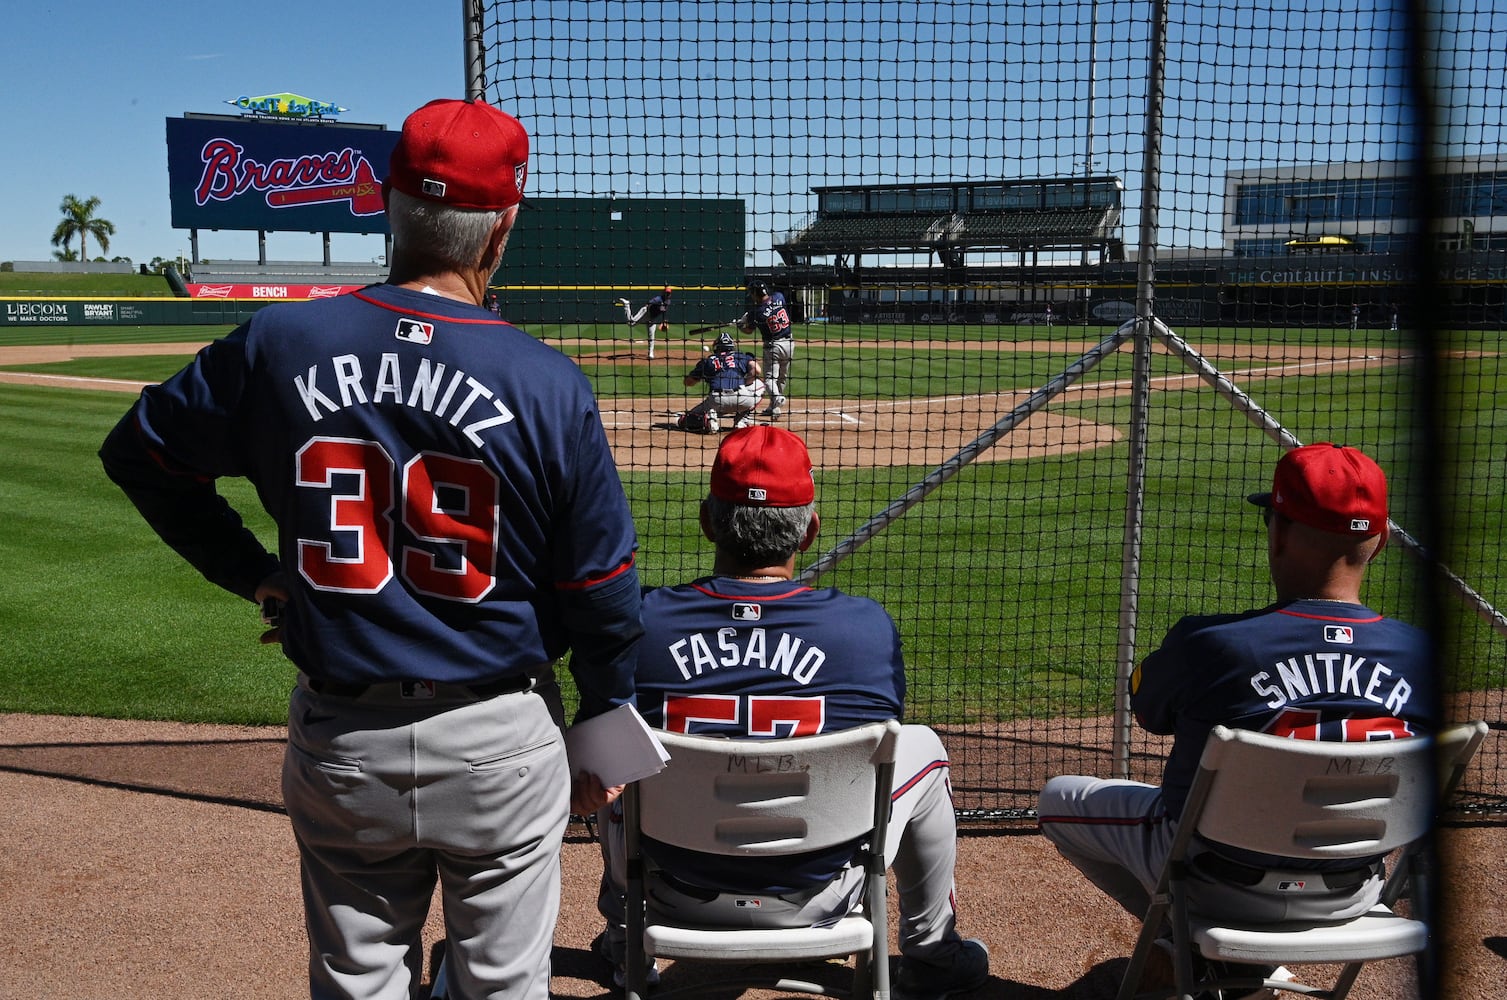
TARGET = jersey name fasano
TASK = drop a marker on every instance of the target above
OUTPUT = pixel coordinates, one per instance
(755, 648)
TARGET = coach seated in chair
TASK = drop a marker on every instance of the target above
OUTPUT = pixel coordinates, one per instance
(1317, 664)
(713, 650)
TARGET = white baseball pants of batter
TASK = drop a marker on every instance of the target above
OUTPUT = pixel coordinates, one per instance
(921, 852)
(388, 794)
(779, 356)
(1118, 835)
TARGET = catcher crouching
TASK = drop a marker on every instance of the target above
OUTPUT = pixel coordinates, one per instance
(734, 388)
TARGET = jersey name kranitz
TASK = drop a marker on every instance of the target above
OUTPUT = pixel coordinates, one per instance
(453, 395)
(787, 654)
(1332, 673)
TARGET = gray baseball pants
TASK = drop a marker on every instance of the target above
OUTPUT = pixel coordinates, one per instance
(389, 794)
(739, 403)
(1118, 835)
(779, 355)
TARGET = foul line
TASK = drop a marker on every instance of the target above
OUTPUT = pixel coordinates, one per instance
(73, 381)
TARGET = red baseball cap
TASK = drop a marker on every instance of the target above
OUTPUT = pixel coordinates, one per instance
(1329, 487)
(464, 154)
(763, 466)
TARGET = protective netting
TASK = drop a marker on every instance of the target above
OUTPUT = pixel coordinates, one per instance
(968, 207)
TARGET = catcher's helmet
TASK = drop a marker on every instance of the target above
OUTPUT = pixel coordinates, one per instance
(725, 342)
(758, 289)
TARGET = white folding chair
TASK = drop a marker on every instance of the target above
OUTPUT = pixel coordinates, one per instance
(763, 799)
(1302, 799)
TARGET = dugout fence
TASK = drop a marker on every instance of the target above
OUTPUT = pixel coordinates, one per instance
(1037, 495)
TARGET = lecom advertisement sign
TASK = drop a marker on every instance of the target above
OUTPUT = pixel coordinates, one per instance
(229, 173)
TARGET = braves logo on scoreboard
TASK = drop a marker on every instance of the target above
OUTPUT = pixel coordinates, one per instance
(344, 175)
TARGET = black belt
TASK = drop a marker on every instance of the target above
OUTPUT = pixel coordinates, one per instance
(481, 690)
(772, 340)
(1222, 868)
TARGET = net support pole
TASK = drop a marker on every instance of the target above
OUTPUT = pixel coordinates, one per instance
(475, 67)
(1140, 393)
(966, 455)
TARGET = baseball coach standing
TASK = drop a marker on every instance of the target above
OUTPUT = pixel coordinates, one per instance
(450, 522)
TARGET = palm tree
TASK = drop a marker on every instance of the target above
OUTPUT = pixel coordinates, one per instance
(79, 220)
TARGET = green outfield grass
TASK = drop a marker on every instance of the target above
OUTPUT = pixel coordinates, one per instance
(105, 620)
(130, 286)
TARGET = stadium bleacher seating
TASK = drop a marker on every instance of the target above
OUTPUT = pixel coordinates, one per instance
(1055, 225)
(952, 219)
(1015, 229)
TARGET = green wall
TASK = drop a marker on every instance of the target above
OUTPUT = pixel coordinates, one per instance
(569, 259)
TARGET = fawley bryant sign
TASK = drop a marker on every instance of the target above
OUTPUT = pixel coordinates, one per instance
(228, 173)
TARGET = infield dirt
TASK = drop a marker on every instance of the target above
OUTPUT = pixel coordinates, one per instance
(149, 860)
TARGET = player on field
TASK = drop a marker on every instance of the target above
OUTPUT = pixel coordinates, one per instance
(733, 388)
(652, 314)
(844, 669)
(771, 317)
(449, 523)
(1317, 665)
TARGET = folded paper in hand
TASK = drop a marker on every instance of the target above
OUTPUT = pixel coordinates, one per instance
(617, 746)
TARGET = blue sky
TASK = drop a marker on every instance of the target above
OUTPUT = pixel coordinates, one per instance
(753, 99)
(88, 86)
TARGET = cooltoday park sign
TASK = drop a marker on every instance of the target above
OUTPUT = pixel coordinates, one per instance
(286, 106)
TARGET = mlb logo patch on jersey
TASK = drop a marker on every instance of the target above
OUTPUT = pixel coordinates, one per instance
(1344, 635)
(420, 690)
(414, 331)
(748, 904)
(1291, 885)
(747, 612)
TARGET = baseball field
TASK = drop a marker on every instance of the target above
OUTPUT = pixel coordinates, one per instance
(978, 576)
(143, 722)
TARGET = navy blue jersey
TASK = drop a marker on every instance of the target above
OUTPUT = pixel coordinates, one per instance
(770, 317)
(447, 505)
(1304, 669)
(726, 657)
(723, 371)
(659, 307)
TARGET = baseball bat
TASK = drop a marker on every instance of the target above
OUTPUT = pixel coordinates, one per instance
(707, 329)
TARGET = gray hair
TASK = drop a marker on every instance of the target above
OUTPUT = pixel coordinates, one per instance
(757, 536)
(452, 236)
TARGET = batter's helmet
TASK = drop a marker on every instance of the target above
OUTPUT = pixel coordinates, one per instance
(758, 289)
(725, 342)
